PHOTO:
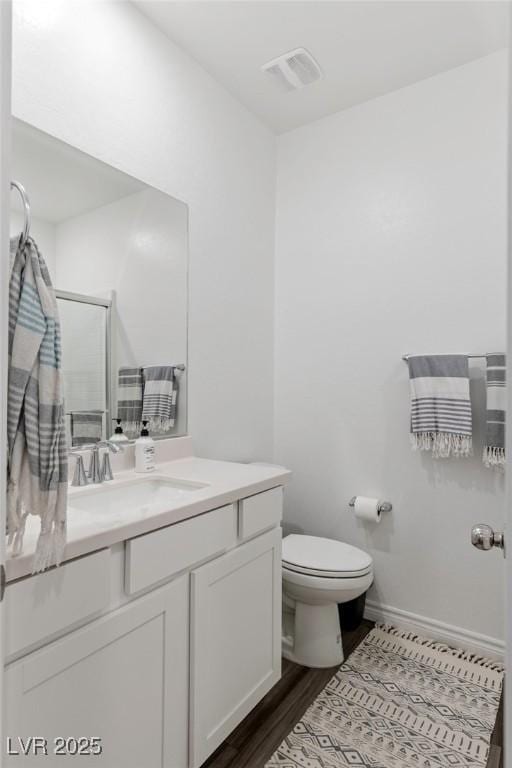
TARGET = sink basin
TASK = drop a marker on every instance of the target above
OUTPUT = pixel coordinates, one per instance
(142, 497)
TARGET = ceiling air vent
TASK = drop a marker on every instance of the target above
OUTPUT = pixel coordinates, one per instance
(294, 69)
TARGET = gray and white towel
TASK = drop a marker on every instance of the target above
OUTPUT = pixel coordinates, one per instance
(440, 405)
(86, 427)
(494, 451)
(129, 398)
(36, 438)
(160, 395)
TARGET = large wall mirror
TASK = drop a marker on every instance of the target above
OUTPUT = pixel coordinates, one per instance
(117, 251)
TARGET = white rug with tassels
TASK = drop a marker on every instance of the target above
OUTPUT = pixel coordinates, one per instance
(399, 701)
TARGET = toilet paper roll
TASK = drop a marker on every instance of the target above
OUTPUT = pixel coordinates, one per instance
(367, 508)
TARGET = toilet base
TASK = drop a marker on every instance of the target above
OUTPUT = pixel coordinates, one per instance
(317, 640)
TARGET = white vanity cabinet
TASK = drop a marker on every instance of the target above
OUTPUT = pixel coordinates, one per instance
(235, 639)
(122, 678)
(158, 647)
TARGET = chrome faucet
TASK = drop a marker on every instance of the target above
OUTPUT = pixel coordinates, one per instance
(100, 468)
(99, 471)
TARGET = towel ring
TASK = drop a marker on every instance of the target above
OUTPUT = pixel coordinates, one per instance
(26, 207)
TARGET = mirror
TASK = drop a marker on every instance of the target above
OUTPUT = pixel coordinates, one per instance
(117, 252)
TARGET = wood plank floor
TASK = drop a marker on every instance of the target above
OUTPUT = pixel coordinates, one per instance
(258, 736)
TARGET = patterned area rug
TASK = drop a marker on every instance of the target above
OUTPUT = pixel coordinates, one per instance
(399, 701)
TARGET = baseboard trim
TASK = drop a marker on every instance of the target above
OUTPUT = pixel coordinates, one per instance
(436, 630)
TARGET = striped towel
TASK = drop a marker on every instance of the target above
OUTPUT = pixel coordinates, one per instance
(440, 405)
(494, 451)
(129, 398)
(160, 395)
(86, 427)
(36, 437)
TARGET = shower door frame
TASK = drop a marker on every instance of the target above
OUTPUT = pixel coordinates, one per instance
(83, 298)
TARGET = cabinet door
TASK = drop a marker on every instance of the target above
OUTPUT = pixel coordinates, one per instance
(122, 678)
(236, 639)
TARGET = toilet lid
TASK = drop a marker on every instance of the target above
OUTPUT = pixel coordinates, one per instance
(324, 557)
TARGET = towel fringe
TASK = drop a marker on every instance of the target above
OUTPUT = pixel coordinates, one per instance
(157, 424)
(50, 547)
(442, 444)
(17, 539)
(494, 457)
(458, 653)
(14, 513)
(132, 426)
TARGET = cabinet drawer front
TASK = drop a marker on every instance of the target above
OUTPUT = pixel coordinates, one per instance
(163, 553)
(260, 512)
(44, 605)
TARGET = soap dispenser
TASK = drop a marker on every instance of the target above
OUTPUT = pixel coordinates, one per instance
(118, 436)
(144, 451)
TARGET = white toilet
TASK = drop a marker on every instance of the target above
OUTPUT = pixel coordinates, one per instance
(317, 575)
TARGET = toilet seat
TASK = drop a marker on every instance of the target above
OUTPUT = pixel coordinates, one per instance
(324, 558)
(326, 574)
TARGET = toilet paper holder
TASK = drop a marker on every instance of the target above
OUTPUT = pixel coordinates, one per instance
(384, 506)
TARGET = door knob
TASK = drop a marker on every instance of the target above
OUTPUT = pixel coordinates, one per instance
(484, 537)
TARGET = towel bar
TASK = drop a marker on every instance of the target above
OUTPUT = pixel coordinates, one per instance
(473, 354)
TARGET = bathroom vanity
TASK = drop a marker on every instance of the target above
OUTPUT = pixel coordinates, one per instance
(162, 629)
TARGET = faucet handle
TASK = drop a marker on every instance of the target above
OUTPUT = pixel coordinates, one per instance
(106, 467)
(79, 475)
(94, 471)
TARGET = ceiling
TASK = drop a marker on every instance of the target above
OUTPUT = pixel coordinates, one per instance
(79, 182)
(365, 49)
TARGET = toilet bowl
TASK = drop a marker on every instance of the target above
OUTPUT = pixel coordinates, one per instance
(318, 574)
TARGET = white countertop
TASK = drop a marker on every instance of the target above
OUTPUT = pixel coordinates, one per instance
(224, 482)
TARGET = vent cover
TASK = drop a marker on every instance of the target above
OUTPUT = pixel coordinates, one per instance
(294, 69)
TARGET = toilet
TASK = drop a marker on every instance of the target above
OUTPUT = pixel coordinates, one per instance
(318, 574)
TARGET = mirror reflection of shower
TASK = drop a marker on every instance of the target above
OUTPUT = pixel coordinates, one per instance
(86, 355)
(117, 251)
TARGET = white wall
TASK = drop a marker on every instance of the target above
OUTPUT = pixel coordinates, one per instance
(391, 239)
(137, 247)
(100, 76)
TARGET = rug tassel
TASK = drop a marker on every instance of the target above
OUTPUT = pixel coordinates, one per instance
(458, 653)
